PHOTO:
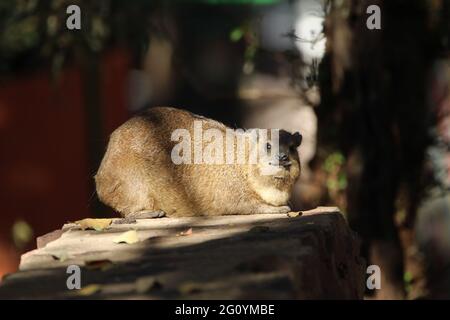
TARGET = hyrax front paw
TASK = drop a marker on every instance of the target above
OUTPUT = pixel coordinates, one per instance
(144, 214)
(283, 209)
(273, 209)
(147, 214)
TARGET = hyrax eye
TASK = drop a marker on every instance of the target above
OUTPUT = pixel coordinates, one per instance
(268, 146)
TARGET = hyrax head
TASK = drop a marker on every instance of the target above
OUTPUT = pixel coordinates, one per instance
(278, 155)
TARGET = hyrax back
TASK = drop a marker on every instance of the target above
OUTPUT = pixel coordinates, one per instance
(138, 174)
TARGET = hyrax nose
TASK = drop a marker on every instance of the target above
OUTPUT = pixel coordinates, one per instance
(283, 157)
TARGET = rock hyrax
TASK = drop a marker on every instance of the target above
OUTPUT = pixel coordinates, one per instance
(141, 170)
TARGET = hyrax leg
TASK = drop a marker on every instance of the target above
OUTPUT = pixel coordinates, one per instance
(144, 214)
(147, 214)
(256, 206)
(272, 209)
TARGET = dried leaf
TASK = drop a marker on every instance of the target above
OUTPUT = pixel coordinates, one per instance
(188, 232)
(294, 214)
(102, 265)
(129, 237)
(94, 224)
(88, 290)
(190, 288)
(147, 284)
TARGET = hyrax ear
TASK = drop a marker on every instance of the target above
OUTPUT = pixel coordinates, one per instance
(297, 139)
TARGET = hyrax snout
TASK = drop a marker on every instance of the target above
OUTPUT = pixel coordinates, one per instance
(174, 161)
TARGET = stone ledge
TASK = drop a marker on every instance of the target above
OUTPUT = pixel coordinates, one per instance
(313, 256)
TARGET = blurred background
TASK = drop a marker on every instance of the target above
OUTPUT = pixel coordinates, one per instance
(373, 107)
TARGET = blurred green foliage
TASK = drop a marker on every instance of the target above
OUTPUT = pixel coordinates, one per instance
(22, 233)
(333, 166)
(408, 279)
(33, 32)
(236, 34)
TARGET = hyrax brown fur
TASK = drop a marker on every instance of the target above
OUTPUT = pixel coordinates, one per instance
(138, 175)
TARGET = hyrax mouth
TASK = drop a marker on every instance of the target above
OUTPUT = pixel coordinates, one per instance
(283, 164)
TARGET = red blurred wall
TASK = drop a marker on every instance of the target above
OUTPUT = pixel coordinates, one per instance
(44, 176)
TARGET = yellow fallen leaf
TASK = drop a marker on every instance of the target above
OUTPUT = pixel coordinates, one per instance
(190, 287)
(102, 265)
(294, 214)
(147, 284)
(88, 290)
(129, 237)
(188, 232)
(95, 224)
